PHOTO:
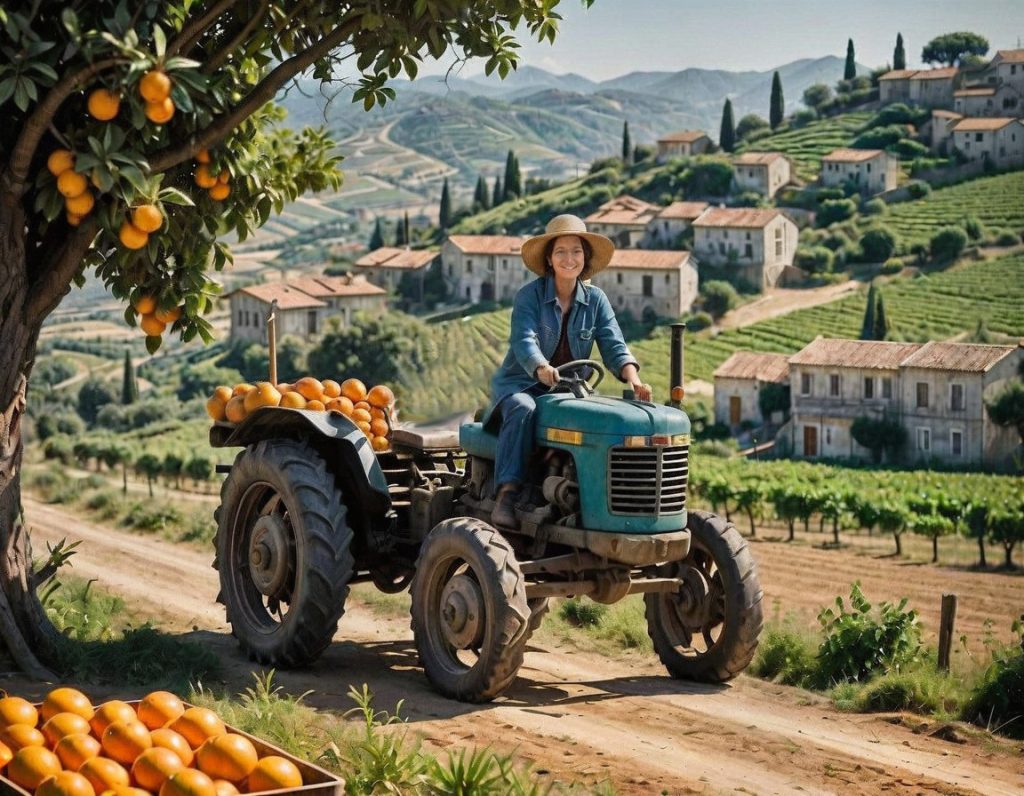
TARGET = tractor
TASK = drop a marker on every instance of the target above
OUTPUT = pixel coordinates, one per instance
(308, 509)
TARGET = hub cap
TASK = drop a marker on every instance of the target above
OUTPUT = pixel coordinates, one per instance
(268, 555)
(692, 603)
(462, 620)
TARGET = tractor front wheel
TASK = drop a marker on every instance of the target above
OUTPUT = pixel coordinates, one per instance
(708, 630)
(470, 614)
(282, 552)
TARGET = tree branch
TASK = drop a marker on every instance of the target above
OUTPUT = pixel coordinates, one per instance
(222, 55)
(257, 98)
(46, 294)
(190, 33)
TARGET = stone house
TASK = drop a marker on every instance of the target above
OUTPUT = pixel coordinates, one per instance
(757, 244)
(934, 390)
(684, 144)
(1007, 69)
(933, 88)
(624, 219)
(388, 265)
(939, 130)
(671, 222)
(649, 283)
(894, 86)
(304, 306)
(762, 172)
(739, 381)
(483, 267)
(999, 140)
(873, 170)
(1003, 100)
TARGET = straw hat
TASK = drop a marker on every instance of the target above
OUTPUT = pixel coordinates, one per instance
(567, 224)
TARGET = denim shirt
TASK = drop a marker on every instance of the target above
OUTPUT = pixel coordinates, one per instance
(536, 326)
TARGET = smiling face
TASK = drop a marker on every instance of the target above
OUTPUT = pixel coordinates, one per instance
(567, 257)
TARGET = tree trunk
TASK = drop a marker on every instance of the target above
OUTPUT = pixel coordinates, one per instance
(835, 530)
(792, 531)
(750, 515)
(899, 542)
(1008, 549)
(981, 553)
(124, 478)
(935, 549)
(150, 482)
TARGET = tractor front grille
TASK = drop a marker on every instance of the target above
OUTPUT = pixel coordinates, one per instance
(648, 481)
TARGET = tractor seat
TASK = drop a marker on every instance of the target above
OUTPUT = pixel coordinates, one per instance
(477, 441)
(441, 433)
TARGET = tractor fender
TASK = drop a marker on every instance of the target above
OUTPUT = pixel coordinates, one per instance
(341, 442)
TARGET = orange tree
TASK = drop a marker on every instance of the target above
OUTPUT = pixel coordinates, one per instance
(136, 133)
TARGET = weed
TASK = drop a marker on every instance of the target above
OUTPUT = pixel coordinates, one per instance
(152, 517)
(785, 654)
(582, 613)
(997, 702)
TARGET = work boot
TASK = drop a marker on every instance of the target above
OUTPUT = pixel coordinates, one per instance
(504, 513)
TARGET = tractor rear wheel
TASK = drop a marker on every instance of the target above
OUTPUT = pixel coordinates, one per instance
(470, 615)
(708, 630)
(282, 552)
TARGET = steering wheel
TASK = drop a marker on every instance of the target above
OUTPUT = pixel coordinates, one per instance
(577, 384)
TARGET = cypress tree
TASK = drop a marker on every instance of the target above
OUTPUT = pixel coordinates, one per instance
(480, 194)
(129, 385)
(515, 188)
(400, 234)
(899, 55)
(445, 213)
(377, 238)
(850, 70)
(499, 193)
(406, 232)
(867, 326)
(510, 164)
(627, 146)
(881, 321)
(727, 133)
(777, 104)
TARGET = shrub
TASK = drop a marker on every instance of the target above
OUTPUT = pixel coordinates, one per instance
(898, 113)
(922, 691)
(718, 297)
(892, 266)
(750, 199)
(973, 227)
(877, 245)
(750, 124)
(1007, 237)
(698, 321)
(802, 118)
(830, 193)
(909, 150)
(919, 189)
(875, 207)
(582, 613)
(146, 517)
(947, 244)
(59, 447)
(815, 259)
(834, 210)
(881, 137)
(997, 699)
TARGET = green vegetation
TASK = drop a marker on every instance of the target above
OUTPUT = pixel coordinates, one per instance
(806, 146)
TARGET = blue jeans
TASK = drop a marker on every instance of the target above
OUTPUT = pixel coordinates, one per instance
(515, 438)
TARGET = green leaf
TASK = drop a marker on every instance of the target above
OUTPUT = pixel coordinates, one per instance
(7, 88)
(159, 42)
(153, 342)
(70, 21)
(173, 196)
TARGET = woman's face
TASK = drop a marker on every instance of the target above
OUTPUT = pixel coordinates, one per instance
(567, 257)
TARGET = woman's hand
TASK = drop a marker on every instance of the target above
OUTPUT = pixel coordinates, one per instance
(547, 375)
(632, 378)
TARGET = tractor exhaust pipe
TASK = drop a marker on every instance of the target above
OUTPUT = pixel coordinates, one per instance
(677, 366)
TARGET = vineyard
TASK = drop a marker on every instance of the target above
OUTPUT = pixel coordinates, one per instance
(807, 145)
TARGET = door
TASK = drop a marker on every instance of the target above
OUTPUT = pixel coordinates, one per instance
(810, 441)
(735, 410)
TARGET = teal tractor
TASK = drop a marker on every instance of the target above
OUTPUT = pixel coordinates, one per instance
(308, 509)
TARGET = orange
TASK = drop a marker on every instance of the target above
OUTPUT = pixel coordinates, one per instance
(114, 710)
(132, 237)
(15, 710)
(188, 782)
(151, 326)
(169, 739)
(215, 408)
(60, 160)
(229, 756)
(74, 220)
(379, 427)
(220, 192)
(361, 416)
(265, 394)
(71, 184)
(5, 754)
(66, 783)
(234, 410)
(377, 414)
(224, 788)
(353, 389)
(224, 177)
(125, 740)
(160, 112)
(197, 724)
(103, 104)
(103, 773)
(145, 305)
(380, 443)
(153, 766)
(125, 790)
(331, 388)
(18, 736)
(292, 400)
(75, 749)
(155, 86)
(203, 177)
(274, 773)
(315, 406)
(203, 156)
(63, 724)
(283, 387)
(66, 700)
(241, 389)
(340, 404)
(31, 765)
(381, 396)
(362, 405)
(168, 316)
(148, 218)
(80, 205)
(364, 427)
(311, 389)
(160, 706)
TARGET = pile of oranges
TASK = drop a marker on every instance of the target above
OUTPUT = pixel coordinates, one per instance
(68, 747)
(78, 199)
(371, 409)
(217, 185)
(152, 319)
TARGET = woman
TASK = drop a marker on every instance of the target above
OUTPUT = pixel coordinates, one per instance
(555, 319)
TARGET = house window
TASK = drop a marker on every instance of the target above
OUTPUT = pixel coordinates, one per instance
(618, 279)
(311, 322)
(469, 266)
(748, 236)
(748, 251)
(869, 168)
(956, 442)
(924, 439)
(504, 265)
(833, 385)
(648, 285)
(721, 247)
(828, 435)
(668, 279)
(451, 269)
(979, 137)
(778, 241)
(805, 383)
(956, 397)
(869, 387)
(922, 395)
(241, 314)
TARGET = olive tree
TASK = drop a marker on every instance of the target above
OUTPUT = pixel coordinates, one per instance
(137, 134)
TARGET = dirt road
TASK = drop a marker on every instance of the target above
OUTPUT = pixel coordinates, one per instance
(586, 718)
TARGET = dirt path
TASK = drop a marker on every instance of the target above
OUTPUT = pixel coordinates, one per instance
(583, 717)
(779, 301)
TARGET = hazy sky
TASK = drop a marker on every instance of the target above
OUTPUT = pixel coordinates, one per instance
(616, 37)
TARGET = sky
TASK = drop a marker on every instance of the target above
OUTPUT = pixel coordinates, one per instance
(615, 37)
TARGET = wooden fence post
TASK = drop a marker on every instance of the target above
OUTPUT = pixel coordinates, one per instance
(946, 622)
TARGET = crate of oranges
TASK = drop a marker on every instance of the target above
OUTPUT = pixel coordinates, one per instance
(158, 745)
(372, 410)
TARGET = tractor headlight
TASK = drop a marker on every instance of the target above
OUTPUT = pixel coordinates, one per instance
(565, 436)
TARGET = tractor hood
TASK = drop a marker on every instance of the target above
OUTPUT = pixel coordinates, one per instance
(610, 416)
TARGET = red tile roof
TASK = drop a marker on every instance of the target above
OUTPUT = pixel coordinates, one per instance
(653, 259)
(288, 298)
(962, 357)
(752, 365)
(333, 286)
(488, 244)
(845, 155)
(684, 210)
(898, 74)
(1010, 56)
(757, 158)
(978, 125)
(946, 73)
(842, 353)
(943, 114)
(746, 217)
(392, 257)
(975, 92)
(683, 137)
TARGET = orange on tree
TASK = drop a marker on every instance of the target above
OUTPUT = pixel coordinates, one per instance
(113, 710)
(132, 237)
(123, 741)
(80, 205)
(230, 756)
(197, 724)
(188, 782)
(155, 86)
(203, 156)
(224, 177)
(160, 708)
(292, 400)
(220, 192)
(203, 177)
(71, 184)
(104, 773)
(151, 326)
(18, 736)
(66, 699)
(56, 727)
(145, 305)
(160, 112)
(59, 161)
(16, 710)
(147, 217)
(168, 315)
(75, 749)
(66, 783)
(74, 220)
(309, 388)
(153, 766)
(353, 389)
(380, 396)
(31, 765)
(234, 410)
(103, 104)
(169, 739)
(274, 772)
